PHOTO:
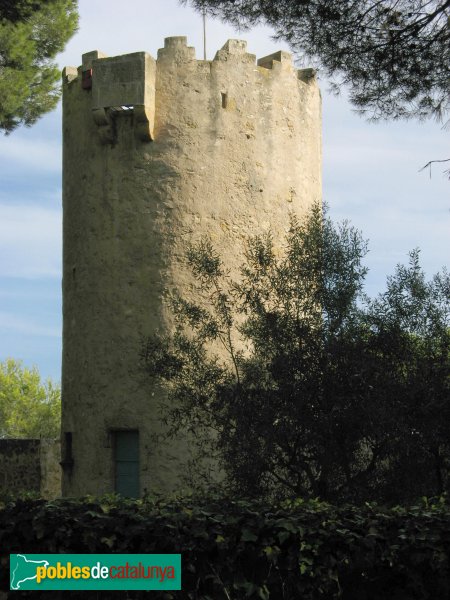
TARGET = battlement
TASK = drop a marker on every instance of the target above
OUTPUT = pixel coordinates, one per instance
(131, 82)
(235, 50)
(176, 49)
(277, 60)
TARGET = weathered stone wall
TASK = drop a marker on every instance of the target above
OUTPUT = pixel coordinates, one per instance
(226, 148)
(19, 465)
(50, 457)
(30, 466)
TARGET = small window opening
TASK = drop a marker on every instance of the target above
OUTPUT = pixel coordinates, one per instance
(123, 108)
(224, 99)
(86, 79)
(67, 460)
(126, 463)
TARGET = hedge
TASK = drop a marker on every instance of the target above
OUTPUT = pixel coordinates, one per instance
(242, 549)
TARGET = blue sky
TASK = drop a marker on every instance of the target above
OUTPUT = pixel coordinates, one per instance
(370, 177)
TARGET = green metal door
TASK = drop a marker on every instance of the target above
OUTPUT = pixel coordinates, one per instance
(126, 462)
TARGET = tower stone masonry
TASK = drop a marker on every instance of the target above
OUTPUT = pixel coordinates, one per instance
(157, 154)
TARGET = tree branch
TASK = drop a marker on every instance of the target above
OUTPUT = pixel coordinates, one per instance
(429, 163)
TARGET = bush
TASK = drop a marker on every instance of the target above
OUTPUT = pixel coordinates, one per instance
(240, 549)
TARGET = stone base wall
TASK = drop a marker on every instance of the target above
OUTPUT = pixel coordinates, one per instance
(50, 455)
(30, 466)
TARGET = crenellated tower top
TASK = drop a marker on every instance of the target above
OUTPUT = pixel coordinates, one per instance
(129, 82)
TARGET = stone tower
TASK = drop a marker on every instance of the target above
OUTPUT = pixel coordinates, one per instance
(158, 153)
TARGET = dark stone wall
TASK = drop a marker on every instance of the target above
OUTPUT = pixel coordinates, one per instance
(20, 468)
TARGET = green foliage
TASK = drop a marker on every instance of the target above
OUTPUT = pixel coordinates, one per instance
(410, 327)
(298, 384)
(18, 10)
(31, 35)
(28, 407)
(241, 549)
(393, 55)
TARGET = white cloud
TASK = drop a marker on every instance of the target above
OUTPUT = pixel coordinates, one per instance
(11, 322)
(30, 241)
(21, 152)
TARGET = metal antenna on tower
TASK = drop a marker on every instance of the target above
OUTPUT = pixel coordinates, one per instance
(204, 32)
